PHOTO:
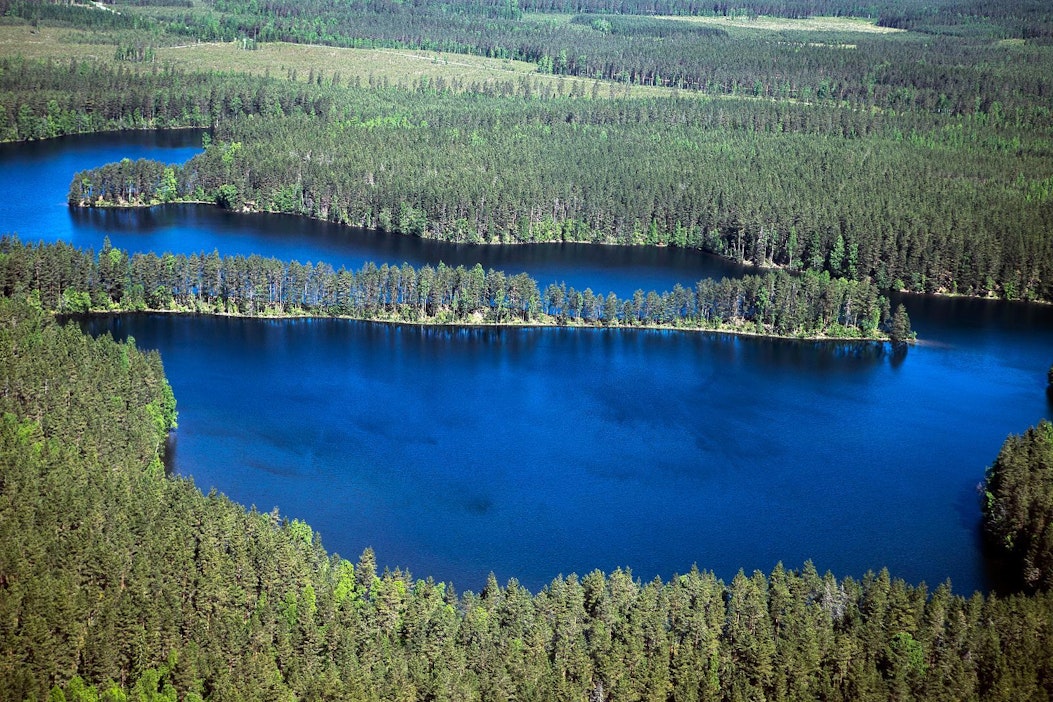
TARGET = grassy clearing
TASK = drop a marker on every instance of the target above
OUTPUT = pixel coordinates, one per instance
(47, 42)
(782, 24)
(281, 60)
(396, 66)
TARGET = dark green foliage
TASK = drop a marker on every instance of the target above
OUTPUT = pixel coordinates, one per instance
(942, 201)
(809, 304)
(1018, 505)
(899, 327)
(44, 100)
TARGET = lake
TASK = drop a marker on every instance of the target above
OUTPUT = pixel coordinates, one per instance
(532, 452)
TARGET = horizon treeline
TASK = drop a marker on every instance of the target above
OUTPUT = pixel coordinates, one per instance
(948, 60)
(66, 279)
(118, 580)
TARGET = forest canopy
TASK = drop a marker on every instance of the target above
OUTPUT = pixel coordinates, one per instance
(751, 183)
(69, 280)
(1018, 506)
(912, 159)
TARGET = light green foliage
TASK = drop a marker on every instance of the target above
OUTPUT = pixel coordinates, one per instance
(230, 152)
(908, 653)
(227, 196)
(345, 585)
(75, 301)
(168, 190)
(301, 532)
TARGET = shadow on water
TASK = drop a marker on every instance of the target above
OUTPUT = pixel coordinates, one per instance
(120, 142)
(998, 573)
(897, 356)
(968, 504)
(820, 358)
(961, 318)
(998, 570)
(144, 220)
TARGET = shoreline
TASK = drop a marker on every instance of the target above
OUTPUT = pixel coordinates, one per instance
(534, 324)
(747, 267)
(116, 130)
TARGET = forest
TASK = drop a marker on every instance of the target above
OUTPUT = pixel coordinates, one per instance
(189, 596)
(1018, 506)
(68, 280)
(927, 68)
(497, 170)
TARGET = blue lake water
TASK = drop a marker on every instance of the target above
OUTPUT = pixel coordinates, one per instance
(531, 452)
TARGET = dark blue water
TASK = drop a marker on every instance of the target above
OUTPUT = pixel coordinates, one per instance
(531, 452)
(455, 452)
(35, 178)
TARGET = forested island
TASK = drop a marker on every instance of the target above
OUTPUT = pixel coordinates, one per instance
(908, 148)
(69, 280)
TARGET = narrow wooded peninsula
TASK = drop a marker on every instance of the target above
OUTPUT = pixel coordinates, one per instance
(809, 305)
(118, 582)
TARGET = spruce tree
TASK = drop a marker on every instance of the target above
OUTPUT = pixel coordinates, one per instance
(900, 332)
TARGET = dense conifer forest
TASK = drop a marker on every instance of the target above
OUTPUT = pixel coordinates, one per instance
(847, 161)
(914, 160)
(1018, 506)
(647, 173)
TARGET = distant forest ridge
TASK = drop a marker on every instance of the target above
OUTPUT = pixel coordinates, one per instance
(1023, 15)
(631, 48)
